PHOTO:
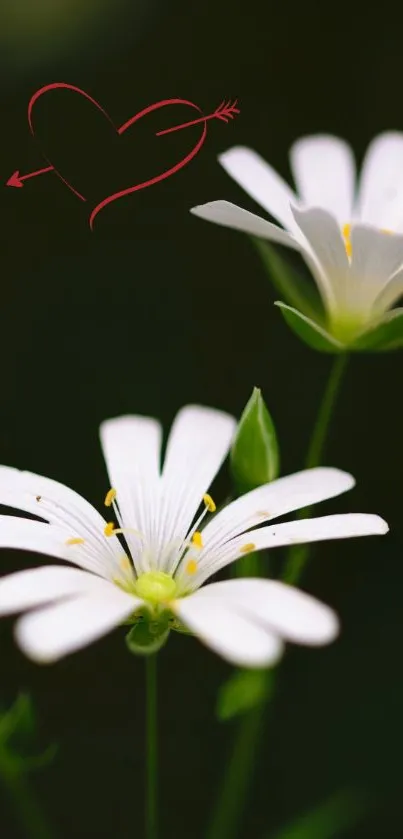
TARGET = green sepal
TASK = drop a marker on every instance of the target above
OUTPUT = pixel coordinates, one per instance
(298, 292)
(311, 333)
(243, 691)
(149, 632)
(255, 458)
(180, 627)
(385, 335)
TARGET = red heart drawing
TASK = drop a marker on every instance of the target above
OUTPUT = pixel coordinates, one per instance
(120, 130)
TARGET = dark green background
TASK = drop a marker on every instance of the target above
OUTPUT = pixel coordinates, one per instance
(155, 309)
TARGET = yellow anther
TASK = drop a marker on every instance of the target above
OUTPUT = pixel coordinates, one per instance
(346, 231)
(246, 549)
(263, 514)
(109, 529)
(197, 539)
(75, 541)
(211, 506)
(109, 497)
(191, 566)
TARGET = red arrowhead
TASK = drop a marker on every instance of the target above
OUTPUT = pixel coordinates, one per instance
(15, 179)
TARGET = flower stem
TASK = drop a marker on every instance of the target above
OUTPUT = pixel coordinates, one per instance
(227, 816)
(26, 806)
(152, 753)
(298, 555)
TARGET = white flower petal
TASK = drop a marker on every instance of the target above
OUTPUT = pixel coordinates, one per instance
(390, 294)
(198, 443)
(131, 447)
(324, 528)
(60, 506)
(35, 536)
(283, 609)
(239, 638)
(324, 171)
(230, 215)
(380, 196)
(376, 256)
(36, 586)
(261, 182)
(47, 635)
(325, 240)
(270, 501)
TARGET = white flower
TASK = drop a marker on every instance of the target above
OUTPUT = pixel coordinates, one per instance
(166, 557)
(351, 238)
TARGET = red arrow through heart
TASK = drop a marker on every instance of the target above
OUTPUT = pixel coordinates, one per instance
(226, 111)
(17, 179)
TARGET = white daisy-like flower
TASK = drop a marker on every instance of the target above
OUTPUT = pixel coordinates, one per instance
(351, 237)
(157, 558)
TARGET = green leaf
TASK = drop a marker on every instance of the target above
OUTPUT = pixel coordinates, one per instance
(244, 690)
(148, 634)
(19, 719)
(255, 454)
(298, 292)
(386, 335)
(338, 813)
(310, 332)
(17, 730)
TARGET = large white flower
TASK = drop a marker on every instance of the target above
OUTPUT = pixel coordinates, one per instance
(157, 557)
(351, 238)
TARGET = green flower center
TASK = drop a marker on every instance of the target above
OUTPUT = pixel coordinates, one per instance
(155, 586)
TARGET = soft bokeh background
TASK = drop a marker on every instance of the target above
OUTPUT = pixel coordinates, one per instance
(155, 309)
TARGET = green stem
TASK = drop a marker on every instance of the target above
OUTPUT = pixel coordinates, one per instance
(298, 555)
(26, 805)
(152, 755)
(227, 815)
(321, 427)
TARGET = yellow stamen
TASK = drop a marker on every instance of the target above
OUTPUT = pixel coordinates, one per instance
(211, 506)
(110, 497)
(191, 566)
(197, 539)
(246, 549)
(346, 231)
(109, 529)
(263, 514)
(75, 541)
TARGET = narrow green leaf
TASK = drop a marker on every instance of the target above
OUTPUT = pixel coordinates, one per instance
(295, 289)
(17, 735)
(386, 335)
(244, 690)
(326, 821)
(255, 456)
(310, 332)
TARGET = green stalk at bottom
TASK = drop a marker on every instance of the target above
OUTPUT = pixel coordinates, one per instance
(152, 748)
(228, 813)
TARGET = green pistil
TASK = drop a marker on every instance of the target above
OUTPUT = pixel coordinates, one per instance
(155, 587)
